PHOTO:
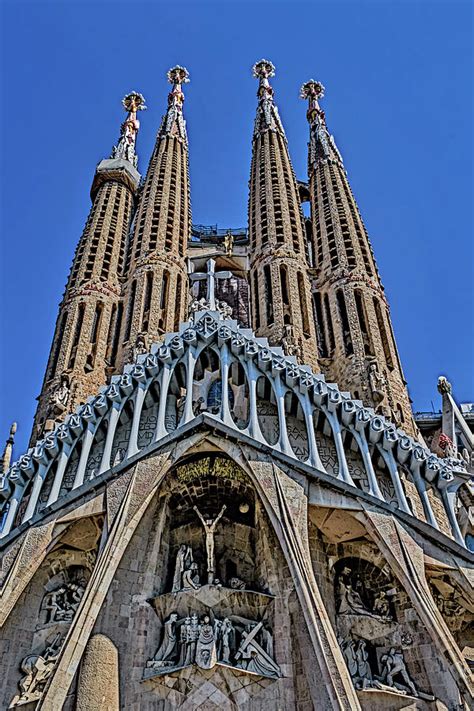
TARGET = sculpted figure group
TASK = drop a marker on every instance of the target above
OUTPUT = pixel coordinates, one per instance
(393, 671)
(352, 599)
(37, 668)
(61, 604)
(205, 642)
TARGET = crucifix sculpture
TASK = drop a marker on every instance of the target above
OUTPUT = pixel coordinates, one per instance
(211, 275)
(209, 528)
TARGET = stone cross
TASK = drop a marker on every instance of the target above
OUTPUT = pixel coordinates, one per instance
(211, 275)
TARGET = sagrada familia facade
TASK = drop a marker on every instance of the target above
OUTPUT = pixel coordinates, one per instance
(227, 502)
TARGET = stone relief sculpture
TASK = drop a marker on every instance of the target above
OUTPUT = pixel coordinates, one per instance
(378, 386)
(60, 396)
(350, 601)
(206, 642)
(184, 558)
(289, 342)
(37, 668)
(209, 530)
(138, 349)
(392, 673)
(62, 603)
(393, 665)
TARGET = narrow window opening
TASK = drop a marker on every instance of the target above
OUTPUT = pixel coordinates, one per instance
(346, 331)
(330, 329)
(177, 307)
(383, 334)
(304, 304)
(320, 330)
(77, 334)
(268, 294)
(57, 346)
(116, 339)
(256, 303)
(147, 300)
(362, 315)
(131, 306)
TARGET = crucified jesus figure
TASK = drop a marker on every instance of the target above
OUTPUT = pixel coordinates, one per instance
(209, 528)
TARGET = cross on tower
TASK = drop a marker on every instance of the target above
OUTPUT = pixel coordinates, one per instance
(211, 275)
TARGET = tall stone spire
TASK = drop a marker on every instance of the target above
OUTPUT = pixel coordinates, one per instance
(85, 340)
(156, 293)
(356, 346)
(128, 133)
(280, 287)
(7, 452)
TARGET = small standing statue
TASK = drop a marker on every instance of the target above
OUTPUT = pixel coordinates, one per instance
(183, 556)
(209, 529)
(228, 242)
(378, 386)
(167, 654)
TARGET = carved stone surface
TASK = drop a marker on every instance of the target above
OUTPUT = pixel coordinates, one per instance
(37, 668)
(206, 641)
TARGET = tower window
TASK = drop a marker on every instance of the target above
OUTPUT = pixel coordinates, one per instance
(383, 334)
(284, 284)
(304, 304)
(177, 307)
(320, 331)
(361, 313)
(131, 306)
(256, 303)
(116, 338)
(346, 331)
(96, 322)
(77, 334)
(330, 329)
(57, 346)
(147, 300)
(267, 276)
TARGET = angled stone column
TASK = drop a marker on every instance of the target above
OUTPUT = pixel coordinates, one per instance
(286, 505)
(144, 482)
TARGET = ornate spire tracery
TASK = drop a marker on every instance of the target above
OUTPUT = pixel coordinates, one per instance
(177, 76)
(125, 148)
(321, 143)
(267, 117)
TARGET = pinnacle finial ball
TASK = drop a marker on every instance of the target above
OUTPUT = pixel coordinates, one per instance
(178, 75)
(313, 89)
(263, 69)
(134, 102)
(13, 429)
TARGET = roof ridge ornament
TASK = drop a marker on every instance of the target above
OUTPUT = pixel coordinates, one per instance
(132, 102)
(267, 113)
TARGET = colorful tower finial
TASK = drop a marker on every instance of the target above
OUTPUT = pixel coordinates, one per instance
(267, 113)
(177, 76)
(7, 452)
(312, 91)
(132, 103)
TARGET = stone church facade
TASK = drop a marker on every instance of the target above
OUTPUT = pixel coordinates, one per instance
(227, 502)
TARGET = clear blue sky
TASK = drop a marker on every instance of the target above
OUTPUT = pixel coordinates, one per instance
(398, 79)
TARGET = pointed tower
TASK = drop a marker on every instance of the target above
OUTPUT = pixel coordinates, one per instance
(8, 451)
(85, 336)
(281, 301)
(156, 295)
(356, 346)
